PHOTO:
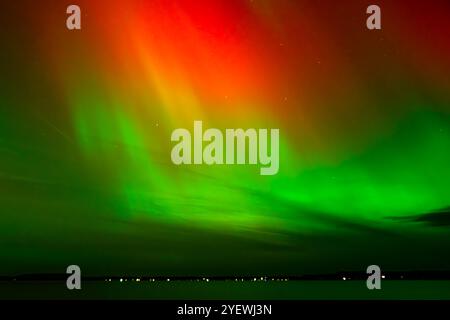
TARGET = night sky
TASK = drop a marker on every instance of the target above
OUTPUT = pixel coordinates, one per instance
(86, 117)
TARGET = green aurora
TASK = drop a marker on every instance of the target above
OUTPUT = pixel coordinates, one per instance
(86, 176)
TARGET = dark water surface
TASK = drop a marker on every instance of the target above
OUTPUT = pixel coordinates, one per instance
(404, 289)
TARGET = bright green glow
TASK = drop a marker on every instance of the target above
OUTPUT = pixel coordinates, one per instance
(401, 174)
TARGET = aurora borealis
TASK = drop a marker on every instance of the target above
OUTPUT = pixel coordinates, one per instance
(86, 118)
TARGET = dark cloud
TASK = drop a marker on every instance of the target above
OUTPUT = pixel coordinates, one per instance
(439, 218)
